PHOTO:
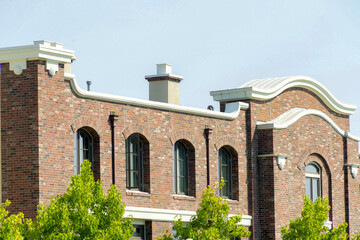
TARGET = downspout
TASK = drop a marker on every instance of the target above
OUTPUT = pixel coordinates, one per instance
(346, 185)
(112, 119)
(207, 132)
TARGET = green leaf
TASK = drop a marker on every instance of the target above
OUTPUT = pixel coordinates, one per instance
(211, 220)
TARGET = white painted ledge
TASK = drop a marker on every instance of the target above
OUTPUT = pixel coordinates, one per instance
(234, 107)
(167, 215)
(293, 115)
(52, 53)
(265, 89)
(39, 50)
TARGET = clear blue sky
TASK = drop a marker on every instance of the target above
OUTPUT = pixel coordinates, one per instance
(212, 44)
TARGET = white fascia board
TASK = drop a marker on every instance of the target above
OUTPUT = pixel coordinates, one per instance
(293, 115)
(152, 104)
(232, 94)
(32, 52)
(168, 215)
(263, 94)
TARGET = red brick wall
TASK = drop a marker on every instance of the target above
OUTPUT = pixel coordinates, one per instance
(61, 113)
(20, 138)
(309, 139)
(40, 115)
(354, 188)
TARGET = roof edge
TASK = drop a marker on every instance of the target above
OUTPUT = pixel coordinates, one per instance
(251, 90)
(288, 118)
(231, 112)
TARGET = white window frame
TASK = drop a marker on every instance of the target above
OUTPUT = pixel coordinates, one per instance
(314, 175)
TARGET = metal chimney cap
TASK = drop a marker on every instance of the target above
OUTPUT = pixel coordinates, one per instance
(164, 68)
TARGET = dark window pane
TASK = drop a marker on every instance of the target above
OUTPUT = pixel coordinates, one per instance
(181, 173)
(134, 162)
(225, 171)
(82, 148)
(139, 232)
(181, 168)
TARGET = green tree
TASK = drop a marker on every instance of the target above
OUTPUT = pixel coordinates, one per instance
(310, 226)
(12, 227)
(211, 220)
(82, 212)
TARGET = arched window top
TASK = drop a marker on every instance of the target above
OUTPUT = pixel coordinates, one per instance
(180, 146)
(139, 136)
(312, 168)
(224, 155)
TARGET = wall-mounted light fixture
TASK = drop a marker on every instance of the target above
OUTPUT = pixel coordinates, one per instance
(280, 159)
(354, 169)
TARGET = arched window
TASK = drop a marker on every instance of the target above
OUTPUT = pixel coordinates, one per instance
(225, 171)
(181, 168)
(134, 162)
(83, 149)
(313, 181)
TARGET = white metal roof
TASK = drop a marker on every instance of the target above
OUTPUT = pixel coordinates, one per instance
(265, 89)
(293, 115)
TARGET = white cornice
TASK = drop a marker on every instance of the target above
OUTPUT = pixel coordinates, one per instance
(293, 115)
(157, 105)
(265, 89)
(52, 53)
(168, 215)
(39, 50)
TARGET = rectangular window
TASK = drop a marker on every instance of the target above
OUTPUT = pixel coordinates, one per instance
(139, 233)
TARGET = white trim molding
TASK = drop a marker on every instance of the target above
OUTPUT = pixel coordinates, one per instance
(52, 53)
(293, 115)
(168, 215)
(232, 110)
(265, 89)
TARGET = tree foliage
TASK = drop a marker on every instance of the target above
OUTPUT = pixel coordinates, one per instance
(310, 226)
(82, 212)
(210, 222)
(12, 227)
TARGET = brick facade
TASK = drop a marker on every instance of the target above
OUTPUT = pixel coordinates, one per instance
(40, 114)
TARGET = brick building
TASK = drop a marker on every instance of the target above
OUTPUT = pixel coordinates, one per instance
(273, 141)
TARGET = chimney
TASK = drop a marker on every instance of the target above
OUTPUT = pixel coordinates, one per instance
(164, 86)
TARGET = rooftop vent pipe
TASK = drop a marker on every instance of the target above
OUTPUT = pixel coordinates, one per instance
(88, 83)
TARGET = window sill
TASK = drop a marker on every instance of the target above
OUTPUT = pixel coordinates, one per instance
(231, 201)
(137, 193)
(183, 197)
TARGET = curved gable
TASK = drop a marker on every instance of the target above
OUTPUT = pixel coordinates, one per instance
(265, 89)
(293, 115)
